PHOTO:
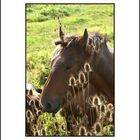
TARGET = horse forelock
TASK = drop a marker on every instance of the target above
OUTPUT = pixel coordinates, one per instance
(67, 40)
(56, 54)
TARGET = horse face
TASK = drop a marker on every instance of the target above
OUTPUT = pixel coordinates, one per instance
(65, 61)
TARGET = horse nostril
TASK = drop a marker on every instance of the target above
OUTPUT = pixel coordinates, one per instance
(48, 106)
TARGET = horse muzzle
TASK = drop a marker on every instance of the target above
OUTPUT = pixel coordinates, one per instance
(51, 106)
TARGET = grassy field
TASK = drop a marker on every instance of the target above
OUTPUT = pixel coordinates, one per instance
(42, 29)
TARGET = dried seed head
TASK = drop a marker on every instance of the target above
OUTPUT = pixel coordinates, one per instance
(89, 133)
(72, 81)
(32, 103)
(111, 117)
(93, 131)
(82, 77)
(98, 127)
(37, 104)
(102, 98)
(43, 132)
(96, 101)
(40, 125)
(101, 117)
(30, 92)
(29, 114)
(36, 133)
(87, 67)
(27, 99)
(56, 124)
(33, 120)
(34, 127)
(89, 101)
(42, 122)
(63, 127)
(110, 107)
(103, 108)
(39, 112)
(82, 131)
(36, 109)
(28, 120)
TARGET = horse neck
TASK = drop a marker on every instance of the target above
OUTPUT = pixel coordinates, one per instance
(100, 84)
(103, 65)
(102, 74)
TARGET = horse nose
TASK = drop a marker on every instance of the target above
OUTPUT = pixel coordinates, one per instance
(49, 106)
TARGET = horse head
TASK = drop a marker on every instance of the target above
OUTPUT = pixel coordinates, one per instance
(68, 59)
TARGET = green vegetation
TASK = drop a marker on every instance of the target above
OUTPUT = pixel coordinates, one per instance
(53, 125)
(42, 29)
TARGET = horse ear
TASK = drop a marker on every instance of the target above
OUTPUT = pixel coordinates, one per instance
(85, 38)
(61, 34)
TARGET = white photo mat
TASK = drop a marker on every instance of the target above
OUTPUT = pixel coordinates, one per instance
(126, 69)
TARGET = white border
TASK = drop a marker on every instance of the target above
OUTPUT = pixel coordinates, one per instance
(126, 69)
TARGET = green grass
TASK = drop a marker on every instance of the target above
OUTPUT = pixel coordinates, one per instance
(42, 29)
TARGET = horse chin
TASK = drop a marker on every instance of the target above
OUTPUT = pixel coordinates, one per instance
(54, 111)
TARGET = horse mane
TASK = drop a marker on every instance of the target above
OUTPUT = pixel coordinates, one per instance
(66, 40)
(94, 37)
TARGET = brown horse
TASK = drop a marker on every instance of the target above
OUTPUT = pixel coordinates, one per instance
(69, 58)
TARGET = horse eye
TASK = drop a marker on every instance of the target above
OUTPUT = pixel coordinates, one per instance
(68, 67)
